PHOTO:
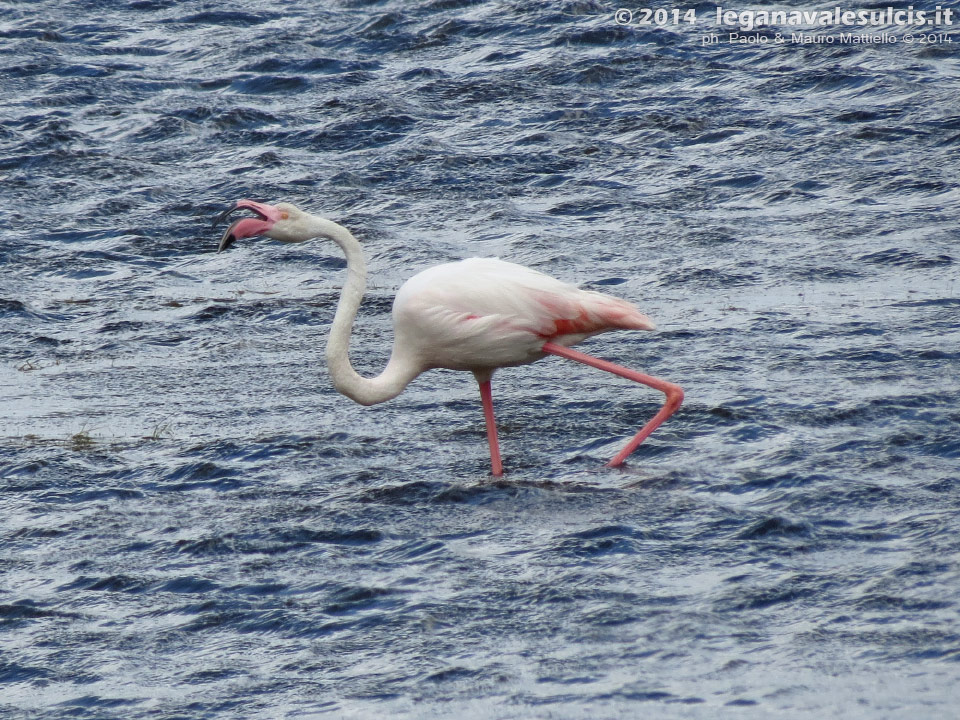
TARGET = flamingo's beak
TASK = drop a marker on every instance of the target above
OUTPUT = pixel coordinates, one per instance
(267, 215)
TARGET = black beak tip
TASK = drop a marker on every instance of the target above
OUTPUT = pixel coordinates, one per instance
(223, 216)
(225, 242)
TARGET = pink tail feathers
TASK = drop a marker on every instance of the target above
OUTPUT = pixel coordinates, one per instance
(593, 313)
(621, 314)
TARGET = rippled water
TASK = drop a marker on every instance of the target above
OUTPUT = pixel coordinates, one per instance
(194, 524)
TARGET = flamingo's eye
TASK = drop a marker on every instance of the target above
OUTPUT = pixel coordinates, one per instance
(284, 216)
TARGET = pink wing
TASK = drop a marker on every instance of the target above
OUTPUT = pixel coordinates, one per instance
(485, 312)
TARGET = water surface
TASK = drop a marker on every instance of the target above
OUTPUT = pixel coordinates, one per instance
(196, 525)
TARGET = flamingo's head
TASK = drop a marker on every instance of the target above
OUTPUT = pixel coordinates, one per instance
(282, 221)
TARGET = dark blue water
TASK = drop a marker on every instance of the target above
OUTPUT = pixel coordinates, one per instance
(194, 524)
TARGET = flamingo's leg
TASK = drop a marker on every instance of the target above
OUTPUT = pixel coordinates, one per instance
(673, 392)
(487, 397)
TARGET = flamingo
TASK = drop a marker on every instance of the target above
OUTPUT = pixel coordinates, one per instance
(478, 314)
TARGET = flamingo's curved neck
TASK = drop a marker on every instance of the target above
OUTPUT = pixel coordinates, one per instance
(398, 373)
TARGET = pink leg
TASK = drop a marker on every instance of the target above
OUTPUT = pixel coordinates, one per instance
(487, 397)
(673, 392)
